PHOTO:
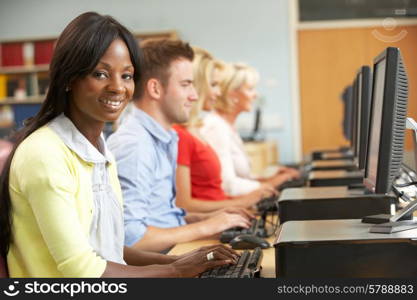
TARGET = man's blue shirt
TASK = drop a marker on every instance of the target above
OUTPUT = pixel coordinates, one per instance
(146, 156)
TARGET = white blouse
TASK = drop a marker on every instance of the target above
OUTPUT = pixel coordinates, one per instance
(226, 142)
(107, 227)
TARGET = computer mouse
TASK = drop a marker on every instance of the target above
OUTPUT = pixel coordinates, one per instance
(248, 241)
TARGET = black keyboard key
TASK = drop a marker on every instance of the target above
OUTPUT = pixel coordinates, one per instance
(243, 259)
(246, 274)
(255, 258)
(229, 272)
(241, 264)
(223, 270)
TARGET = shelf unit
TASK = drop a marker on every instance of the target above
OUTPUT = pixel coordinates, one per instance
(32, 74)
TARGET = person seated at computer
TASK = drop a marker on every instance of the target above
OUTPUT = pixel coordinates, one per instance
(198, 172)
(145, 147)
(60, 199)
(238, 91)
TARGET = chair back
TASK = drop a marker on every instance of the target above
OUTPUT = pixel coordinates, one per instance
(5, 148)
(3, 268)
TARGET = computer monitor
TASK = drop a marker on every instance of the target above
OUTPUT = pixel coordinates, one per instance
(354, 117)
(257, 124)
(388, 119)
(364, 90)
(347, 112)
(359, 115)
(255, 135)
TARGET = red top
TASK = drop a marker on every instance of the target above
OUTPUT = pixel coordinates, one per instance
(205, 169)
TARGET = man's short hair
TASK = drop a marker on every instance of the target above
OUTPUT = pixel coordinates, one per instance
(157, 56)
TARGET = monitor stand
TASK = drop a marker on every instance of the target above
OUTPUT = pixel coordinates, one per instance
(392, 227)
(403, 219)
(400, 221)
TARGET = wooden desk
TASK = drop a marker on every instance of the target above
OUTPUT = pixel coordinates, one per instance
(268, 260)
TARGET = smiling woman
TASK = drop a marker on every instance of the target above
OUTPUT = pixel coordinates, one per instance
(101, 95)
(59, 193)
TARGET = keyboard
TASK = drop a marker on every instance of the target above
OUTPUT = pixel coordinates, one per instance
(248, 266)
(257, 228)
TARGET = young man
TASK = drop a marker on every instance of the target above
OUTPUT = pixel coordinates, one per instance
(145, 148)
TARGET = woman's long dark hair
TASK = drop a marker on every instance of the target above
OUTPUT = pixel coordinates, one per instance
(77, 52)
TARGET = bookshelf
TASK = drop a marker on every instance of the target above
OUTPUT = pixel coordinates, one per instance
(24, 80)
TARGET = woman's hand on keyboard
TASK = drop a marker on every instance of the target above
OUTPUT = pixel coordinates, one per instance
(279, 179)
(265, 191)
(250, 199)
(193, 263)
(294, 173)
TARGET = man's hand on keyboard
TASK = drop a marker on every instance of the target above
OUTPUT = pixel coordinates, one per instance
(213, 226)
(193, 263)
(235, 210)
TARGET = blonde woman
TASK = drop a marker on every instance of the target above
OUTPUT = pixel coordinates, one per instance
(199, 171)
(238, 92)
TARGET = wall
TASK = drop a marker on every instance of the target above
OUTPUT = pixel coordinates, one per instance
(255, 32)
(329, 60)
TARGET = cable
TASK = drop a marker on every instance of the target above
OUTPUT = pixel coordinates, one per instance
(274, 225)
(401, 185)
(401, 194)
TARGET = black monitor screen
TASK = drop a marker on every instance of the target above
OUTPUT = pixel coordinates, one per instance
(354, 117)
(364, 103)
(358, 114)
(375, 133)
(387, 126)
(347, 112)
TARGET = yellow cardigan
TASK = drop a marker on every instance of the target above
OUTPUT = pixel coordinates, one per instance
(52, 208)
